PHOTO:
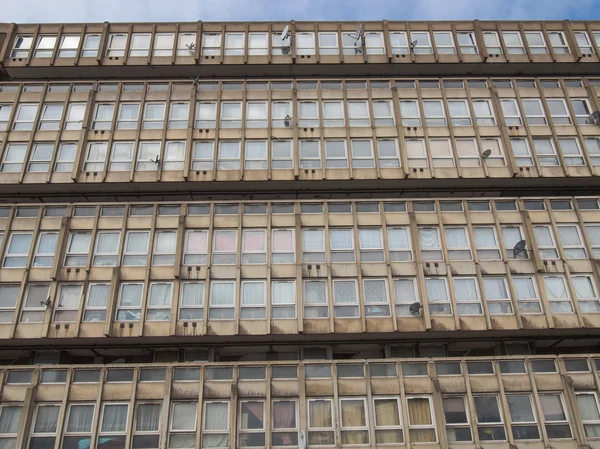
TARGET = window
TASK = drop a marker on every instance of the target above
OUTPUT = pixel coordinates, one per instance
(164, 248)
(434, 113)
(571, 151)
(91, 44)
(103, 116)
(163, 44)
(39, 161)
(206, 114)
(409, 110)
(534, 112)
(229, 155)
(457, 243)
(586, 293)
(5, 111)
(558, 42)
(256, 114)
(43, 434)
(527, 296)
(254, 246)
(374, 43)
(174, 155)
(283, 299)
(387, 151)
(225, 247)
(484, 115)
(421, 425)
(558, 295)
(10, 419)
(399, 43)
(121, 158)
(255, 157)
(467, 42)
(67, 306)
(490, 426)
(281, 154)
(429, 242)
(513, 43)
(305, 43)
(536, 42)
(116, 45)
(195, 249)
(555, 416)
(362, 153)
(8, 301)
(154, 116)
(522, 417)
(511, 112)
(310, 154)
(140, 44)
(328, 43)
(399, 244)
(14, 157)
(522, 152)
(22, 46)
(558, 111)
(78, 249)
(75, 116)
(211, 44)
(308, 114)
(215, 425)
(444, 43)
(258, 44)
(486, 243)
(497, 296)
(354, 421)
(114, 423)
(315, 299)
(351, 44)
(320, 422)
(371, 245)
(159, 302)
(593, 233)
(191, 306)
(570, 239)
(342, 245)
(17, 250)
(590, 414)
(135, 252)
(421, 43)
(438, 296)
(376, 300)
(106, 249)
(457, 419)
(45, 47)
(50, 116)
(468, 301)
(222, 300)
(96, 302)
(186, 44)
(25, 116)
(492, 42)
(129, 301)
(382, 113)
(335, 154)
(234, 44)
(202, 157)
(405, 295)
(545, 241)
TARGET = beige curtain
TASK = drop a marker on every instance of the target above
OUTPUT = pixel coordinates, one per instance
(386, 415)
(320, 418)
(419, 414)
(353, 415)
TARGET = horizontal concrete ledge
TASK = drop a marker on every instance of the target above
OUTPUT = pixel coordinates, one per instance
(553, 336)
(301, 189)
(303, 70)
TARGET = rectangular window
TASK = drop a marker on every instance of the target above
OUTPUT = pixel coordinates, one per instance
(320, 422)
(534, 112)
(140, 44)
(78, 249)
(159, 301)
(106, 248)
(328, 43)
(234, 44)
(202, 156)
(593, 234)
(45, 47)
(96, 302)
(174, 155)
(497, 295)
(256, 114)
(467, 42)
(374, 43)
(255, 157)
(165, 243)
(154, 116)
(135, 252)
(457, 419)
(459, 113)
(358, 114)
(570, 239)
(66, 157)
(310, 154)
(50, 116)
(558, 295)
(421, 43)
(17, 250)
(39, 161)
(163, 44)
(522, 418)
(352, 44)
(399, 43)
(116, 45)
(14, 156)
(511, 112)
(492, 42)
(45, 249)
(229, 155)
(513, 43)
(555, 416)
(305, 43)
(335, 154)
(215, 425)
(584, 43)
(545, 241)
(254, 246)
(558, 42)
(211, 44)
(283, 299)
(103, 116)
(383, 113)
(486, 243)
(258, 44)
(342, 245)
(522, 152)
(409, 110)
(345, 298)
(129, 301)
(191, 305)
(434, 113)
(527, 296)
(10, 420)
(33, 309)
(376, 299)
(281, 114)
(490, 426)
(457, 243)
(587, 403)
(91, 44)
(25, 116)
(404, 295)
(113, 425)
(66, 309)
(148, 156)
(371, 245)
(186, 44)
(195, 249)
(206, 115)
(43, 432)
(429, 242)
(444, 43)
(231, 115)
(421, 424)
(222, 300)
(281, 154)
(22, 46)
(315, 299)
(353, 415)
(8, 301)
(362, 153)
(438, 296)
(282, 246)
(224, 247)
(484, 115)
(586, 293)
(468, 300)
(536, 42)
(387, 150)
(5, 111)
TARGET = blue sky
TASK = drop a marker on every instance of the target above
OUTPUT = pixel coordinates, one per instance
(284, 10)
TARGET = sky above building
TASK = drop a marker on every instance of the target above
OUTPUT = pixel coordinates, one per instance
(283, 10)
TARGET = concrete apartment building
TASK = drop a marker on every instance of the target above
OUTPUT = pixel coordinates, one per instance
(300, 235)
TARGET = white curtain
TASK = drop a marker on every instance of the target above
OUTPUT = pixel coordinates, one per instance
(196, 241)
(10, 419)
(108, 242)
(160, 294)
(80, 242)
(428, 238)
(105, 112)
(458, 109)
(137, 242)
(256, 149)
(555, 288)
(131, 295)
(484, 238)
(19, 244)
(398, 238)
(358, 109)
(314, 292)
(370, 238)
(583, 287)
(184, 416)
(47, 244)
(436, 289)
(207, 111)
(433, 108)
(593, 233)
(466, 289)
(114, 418)
(341, 239)
(257, 111)
(569, 236)
(308, 110)
(166, 242)
(455, 238)
(588, 407)
(495, 288)
(148, 150)
(333, 110)
(80, 418)
(375, 291)
(193, 294)
(253, 293)
(180, 111)
(525, 288)
(382, 109)
(203, 150)
(147, 417)
(345, 292)
(232, 40)
(46, 419)
(283, 292)
(312, 240)
(129, 112)
(175, 151)
(405, 290)
(98, 295)
(229, 150)
(409, 109)
(216, 418)
(222, 293)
